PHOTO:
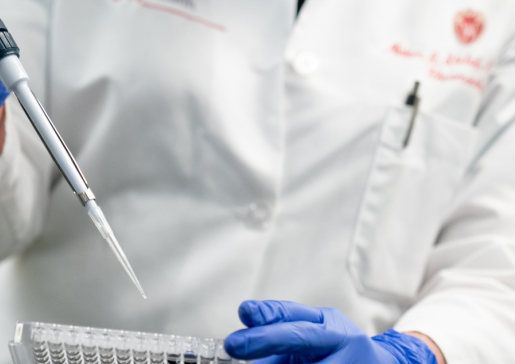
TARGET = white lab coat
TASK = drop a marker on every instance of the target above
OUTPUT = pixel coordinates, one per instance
(240, 155)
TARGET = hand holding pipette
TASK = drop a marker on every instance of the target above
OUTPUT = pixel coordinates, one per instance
(16, 80)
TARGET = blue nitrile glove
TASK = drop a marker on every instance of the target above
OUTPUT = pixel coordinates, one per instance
(285, 332)
(3, 93)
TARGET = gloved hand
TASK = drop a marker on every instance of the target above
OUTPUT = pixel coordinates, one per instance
(285, 332)
(3, 93)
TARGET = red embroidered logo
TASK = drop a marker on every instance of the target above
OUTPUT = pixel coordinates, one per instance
(469, 26)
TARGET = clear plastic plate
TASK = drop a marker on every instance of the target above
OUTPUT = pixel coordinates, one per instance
(40, 343)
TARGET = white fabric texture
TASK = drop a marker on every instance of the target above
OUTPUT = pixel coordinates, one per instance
(239, 155)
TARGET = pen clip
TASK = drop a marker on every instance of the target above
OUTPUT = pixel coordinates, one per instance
(413, 100)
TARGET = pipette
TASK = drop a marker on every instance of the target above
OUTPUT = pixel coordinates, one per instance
(15, 79)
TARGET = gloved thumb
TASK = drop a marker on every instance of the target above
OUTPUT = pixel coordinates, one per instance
(259, 313)
(295, 338)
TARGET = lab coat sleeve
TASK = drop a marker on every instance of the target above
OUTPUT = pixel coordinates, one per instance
(25, 167)
(467, 303)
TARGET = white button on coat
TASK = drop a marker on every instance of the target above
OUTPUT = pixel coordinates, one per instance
(257, 215)
(305, 63)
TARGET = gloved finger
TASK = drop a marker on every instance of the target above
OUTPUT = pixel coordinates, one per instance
(296, 338)
(258, 313)
(275, 359)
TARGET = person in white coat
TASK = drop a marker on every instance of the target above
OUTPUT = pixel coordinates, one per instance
(243, 153)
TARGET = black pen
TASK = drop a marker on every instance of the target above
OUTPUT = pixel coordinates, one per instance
(413, 100)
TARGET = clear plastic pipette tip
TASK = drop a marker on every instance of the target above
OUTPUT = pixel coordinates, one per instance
(102, 225)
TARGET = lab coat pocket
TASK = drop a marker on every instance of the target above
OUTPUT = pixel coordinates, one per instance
(407, 193)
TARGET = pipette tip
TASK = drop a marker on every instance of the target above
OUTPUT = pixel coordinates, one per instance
(103, 226)
(130, 272)
(140, 289)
